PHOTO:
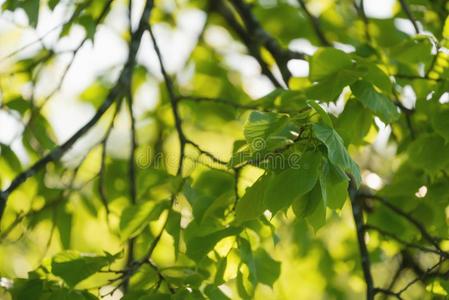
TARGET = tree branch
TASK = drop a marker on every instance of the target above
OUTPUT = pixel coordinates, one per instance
(173, 102)
(258, 33)
(255, 106)
(315, 24)
(422, 276)
(246, 38)
(135, 265)
(407, 11)
(425, 234)
(357, 213)
(360, 8)
(101, 184)
(132, 154)
(207, 153)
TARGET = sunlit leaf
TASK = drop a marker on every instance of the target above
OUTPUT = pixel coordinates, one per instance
(74, 267)
(135, 217)
(285, 187)
(326, 62)
(375, 101)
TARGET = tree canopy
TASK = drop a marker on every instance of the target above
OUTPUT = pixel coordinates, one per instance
(224, 149)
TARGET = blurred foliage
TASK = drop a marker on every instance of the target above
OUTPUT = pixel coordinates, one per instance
(243, 176)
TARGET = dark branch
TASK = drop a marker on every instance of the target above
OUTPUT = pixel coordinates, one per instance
(387, 292)
(315, 24)
(357, 213)
(360, 8)
(421, 277)
(407, 11)
(250, 43)
(424, 233)
(132, 154)
(173, 101)
(256, 30)
(207, 153)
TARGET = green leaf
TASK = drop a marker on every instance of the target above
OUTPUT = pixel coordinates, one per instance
(136, 217)
(89, 25)
(377, 77)
(156, 296)
(440, 122)
(334, 186)
(323, 114)
(376, 102)
(353, 123)
(25, 289)
(326, 62)
(95, 93)
(252, 205)
(41, 130)
(429, 152)
(215, 293)
(63, 222)
(10, 158)
(221, 268)
(187, 294)
(66, 294)
(311, 207)
(210, 194)
(268, 131)
(19, 104)
(246, 255)
(74, 267)
(318, 217)
(241, 289)
(414, 50)
(31, 8)
(285, 187)
(174, 229)
(52, 4)
(268, 269)
(282, 99)
(306, 204)
(330, 88)
(405, 182)
(198, 247)
(336, 151)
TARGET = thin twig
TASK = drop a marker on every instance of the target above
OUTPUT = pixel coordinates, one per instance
(398, 239)
(407, 11)
(247, 39)
(132, 160)
(360, 8)
(255, 106)
(207, 153)
(315, 24)
(424, 233)
(421, 277)
(173, 101)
